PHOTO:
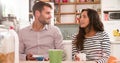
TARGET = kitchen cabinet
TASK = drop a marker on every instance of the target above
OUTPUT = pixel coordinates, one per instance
(115, 45)
(110, 4)
(68, 12)
(110, 24)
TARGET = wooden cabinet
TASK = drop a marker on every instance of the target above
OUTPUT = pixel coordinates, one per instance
(68, 12)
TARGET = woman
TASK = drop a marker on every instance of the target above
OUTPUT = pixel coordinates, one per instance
(91, 39)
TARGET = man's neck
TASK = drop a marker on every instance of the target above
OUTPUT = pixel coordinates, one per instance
(37, 26)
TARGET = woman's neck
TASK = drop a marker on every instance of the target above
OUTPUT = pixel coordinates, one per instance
(90, 33)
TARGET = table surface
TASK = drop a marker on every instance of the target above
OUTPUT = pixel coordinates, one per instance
(62, 62)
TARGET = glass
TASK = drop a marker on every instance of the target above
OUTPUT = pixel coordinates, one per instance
(55, 55)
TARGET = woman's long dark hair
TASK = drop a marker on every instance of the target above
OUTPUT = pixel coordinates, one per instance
(94, 21)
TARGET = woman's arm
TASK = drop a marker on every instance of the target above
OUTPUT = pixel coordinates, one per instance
(74, 49)
(105, 49)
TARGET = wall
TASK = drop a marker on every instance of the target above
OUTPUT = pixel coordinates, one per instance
(23, 12)
(0, 10)
(68, 30)
(110, 4)
(110, 25)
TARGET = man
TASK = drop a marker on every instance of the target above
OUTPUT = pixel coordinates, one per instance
(38, 38)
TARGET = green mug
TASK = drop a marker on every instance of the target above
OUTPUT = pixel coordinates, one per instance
(55, 55)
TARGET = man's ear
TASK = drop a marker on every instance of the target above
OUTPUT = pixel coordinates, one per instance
(37, 13)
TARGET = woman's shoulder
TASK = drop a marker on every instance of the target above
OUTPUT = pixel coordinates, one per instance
(74, 36)
(103, 34)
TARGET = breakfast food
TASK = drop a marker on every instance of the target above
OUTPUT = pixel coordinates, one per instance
(7, 58)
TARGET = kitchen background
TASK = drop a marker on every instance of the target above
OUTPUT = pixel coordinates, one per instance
(65, 16)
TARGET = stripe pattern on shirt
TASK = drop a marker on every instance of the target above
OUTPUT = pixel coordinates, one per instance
(96, 48)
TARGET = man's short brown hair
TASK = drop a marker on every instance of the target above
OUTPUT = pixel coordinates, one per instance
(39, 6)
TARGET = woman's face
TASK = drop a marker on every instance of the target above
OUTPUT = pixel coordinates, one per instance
(84, 20)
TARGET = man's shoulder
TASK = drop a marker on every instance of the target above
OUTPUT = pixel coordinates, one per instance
(51, 27)
(24, 29)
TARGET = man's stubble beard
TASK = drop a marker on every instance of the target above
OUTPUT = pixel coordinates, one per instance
(43, 22)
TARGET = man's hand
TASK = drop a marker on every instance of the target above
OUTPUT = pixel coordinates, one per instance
(29, 57)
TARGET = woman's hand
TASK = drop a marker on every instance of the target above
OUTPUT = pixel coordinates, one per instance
(76, 58)
(46, 59)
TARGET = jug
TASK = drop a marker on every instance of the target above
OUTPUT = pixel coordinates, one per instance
(9, 45)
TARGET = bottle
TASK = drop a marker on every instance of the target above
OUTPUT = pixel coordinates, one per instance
(106, 16)
(64, 1)
(9, 46)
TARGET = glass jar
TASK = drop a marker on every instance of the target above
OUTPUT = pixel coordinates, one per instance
(8, 45)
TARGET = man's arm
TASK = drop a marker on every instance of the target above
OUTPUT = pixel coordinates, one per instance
(22, 55)
(58, 41)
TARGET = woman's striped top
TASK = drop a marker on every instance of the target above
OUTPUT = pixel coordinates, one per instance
(96, 48)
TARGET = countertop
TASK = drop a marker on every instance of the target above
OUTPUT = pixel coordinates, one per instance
(62, 62)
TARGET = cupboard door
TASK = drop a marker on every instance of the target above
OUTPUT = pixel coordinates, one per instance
(115, 50)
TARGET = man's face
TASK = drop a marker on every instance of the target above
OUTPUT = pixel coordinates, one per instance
(45, 15)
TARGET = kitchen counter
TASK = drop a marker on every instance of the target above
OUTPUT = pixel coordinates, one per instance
(62, 62)
(115, 42)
